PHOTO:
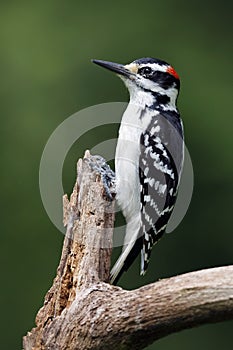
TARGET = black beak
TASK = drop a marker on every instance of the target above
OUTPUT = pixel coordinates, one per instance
(115, 67)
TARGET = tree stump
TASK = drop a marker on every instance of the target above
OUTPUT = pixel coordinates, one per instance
(83, 311)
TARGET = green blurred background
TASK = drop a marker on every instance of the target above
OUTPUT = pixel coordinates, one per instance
(46, 75)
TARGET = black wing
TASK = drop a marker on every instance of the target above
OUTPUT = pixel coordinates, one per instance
(160, 166)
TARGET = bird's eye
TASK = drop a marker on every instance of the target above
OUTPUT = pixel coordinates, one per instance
(145, 71)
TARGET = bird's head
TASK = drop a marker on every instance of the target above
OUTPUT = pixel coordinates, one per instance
(148, 77)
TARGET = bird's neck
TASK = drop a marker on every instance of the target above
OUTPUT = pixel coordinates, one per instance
(144, 105)
(160, 100)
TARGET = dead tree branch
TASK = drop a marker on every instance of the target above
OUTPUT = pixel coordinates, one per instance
(82, 311)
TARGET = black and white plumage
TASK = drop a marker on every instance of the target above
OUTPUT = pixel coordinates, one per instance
(149, 156)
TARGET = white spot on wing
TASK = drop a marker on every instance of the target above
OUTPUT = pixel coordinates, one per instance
(146, 171)
(162, 188)
(164, 168)
(146, 236)
(154, 129)
(146, 140)
(150, 181)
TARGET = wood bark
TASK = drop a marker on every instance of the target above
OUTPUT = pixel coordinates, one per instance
(83, 311)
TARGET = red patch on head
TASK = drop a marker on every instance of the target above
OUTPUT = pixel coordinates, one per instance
(172, 71)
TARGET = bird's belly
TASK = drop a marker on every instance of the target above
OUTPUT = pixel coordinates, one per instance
(127, 171)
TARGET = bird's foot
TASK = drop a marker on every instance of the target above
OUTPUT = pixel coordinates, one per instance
(99, 165)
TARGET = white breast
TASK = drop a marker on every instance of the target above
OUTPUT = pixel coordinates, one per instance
(127, 160)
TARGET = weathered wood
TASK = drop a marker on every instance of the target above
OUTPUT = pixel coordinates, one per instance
(86, 253)
(82, 311)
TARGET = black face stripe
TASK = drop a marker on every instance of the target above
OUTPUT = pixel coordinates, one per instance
(165, 80)
(162, 99)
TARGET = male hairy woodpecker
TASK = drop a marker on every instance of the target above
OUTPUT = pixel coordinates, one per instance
(149, 156)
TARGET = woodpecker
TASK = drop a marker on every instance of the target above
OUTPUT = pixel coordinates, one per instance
(149, 156)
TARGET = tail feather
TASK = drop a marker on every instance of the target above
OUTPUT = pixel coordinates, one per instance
(128, 255)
